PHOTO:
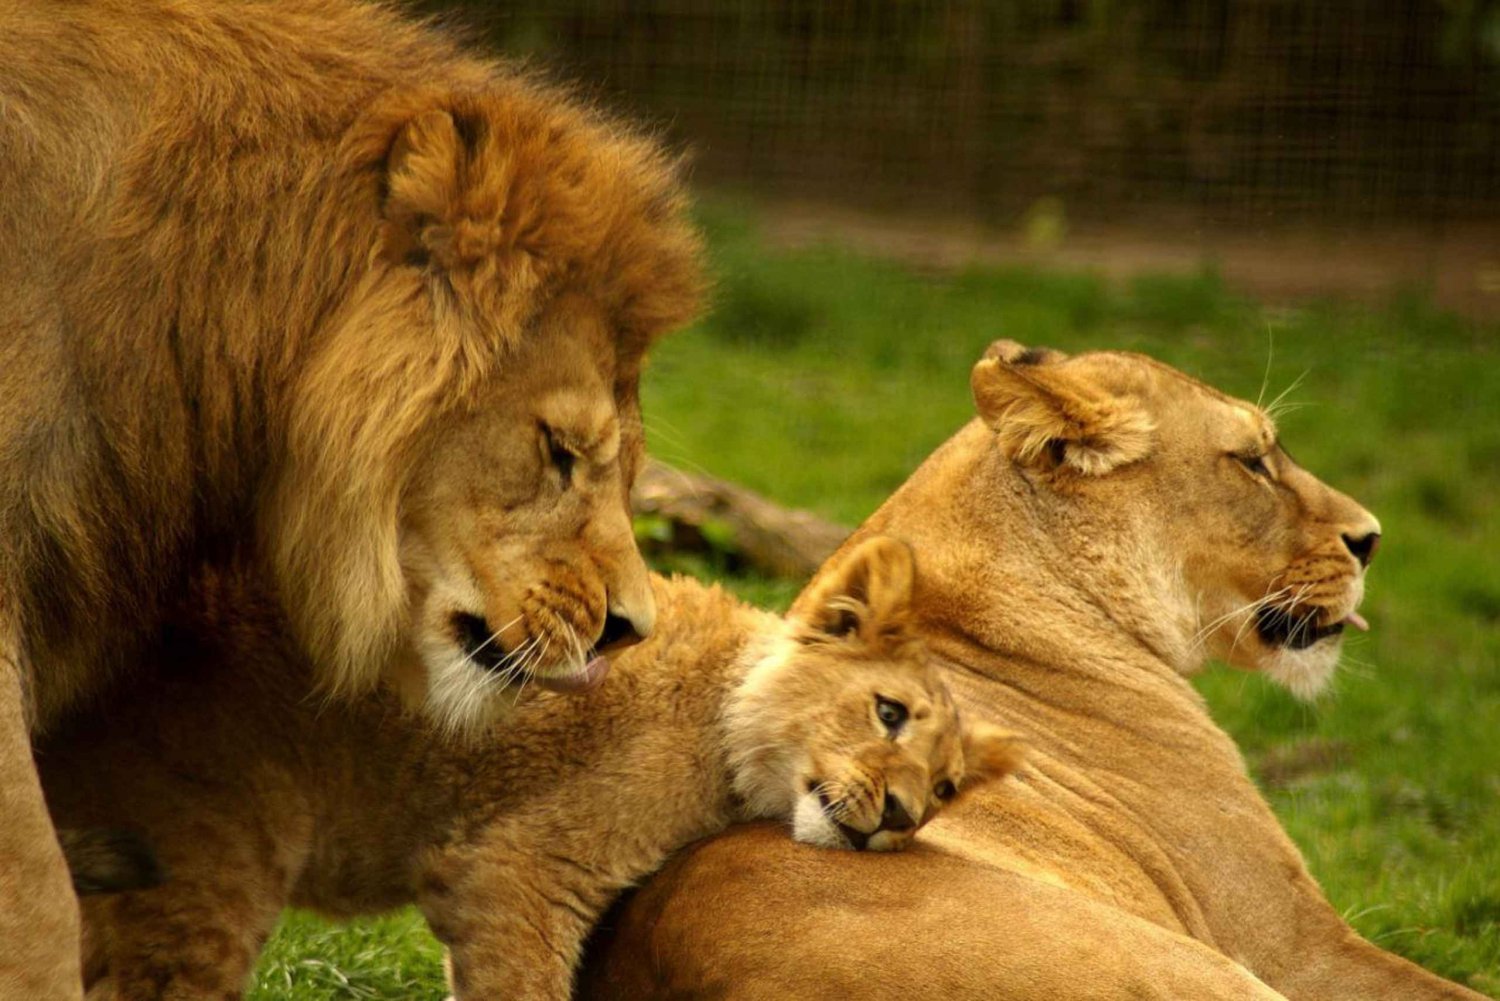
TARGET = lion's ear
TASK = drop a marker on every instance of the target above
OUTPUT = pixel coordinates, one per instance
(990, 752)
(421, 184)
(1047, 417)
(443, 198)
(865, 596)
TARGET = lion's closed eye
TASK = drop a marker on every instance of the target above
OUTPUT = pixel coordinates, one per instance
(559, 455)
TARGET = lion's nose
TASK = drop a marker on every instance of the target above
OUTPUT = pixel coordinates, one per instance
(617, 634)
(894, 817)
(1363, 546)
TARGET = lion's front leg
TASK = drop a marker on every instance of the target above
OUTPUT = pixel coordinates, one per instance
(514, 920)
(199, 934)
(39, 923)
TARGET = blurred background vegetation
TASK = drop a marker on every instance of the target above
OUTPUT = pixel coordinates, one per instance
(1346, 110)
(1309, 190)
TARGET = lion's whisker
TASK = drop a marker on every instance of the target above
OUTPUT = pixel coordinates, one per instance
(529, 674)
(495, 635)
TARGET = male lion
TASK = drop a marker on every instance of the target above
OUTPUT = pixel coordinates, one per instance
(513, 845)
(1106, 525)
(301, 273)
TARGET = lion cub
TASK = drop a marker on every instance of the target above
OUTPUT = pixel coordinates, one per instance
(513, 846)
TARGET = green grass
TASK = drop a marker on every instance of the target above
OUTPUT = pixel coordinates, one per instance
(823, 378)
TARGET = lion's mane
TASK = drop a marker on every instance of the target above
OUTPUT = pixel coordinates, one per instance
(254, 253)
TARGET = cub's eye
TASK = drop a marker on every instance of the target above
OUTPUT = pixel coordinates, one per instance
(945, 790)
(890, 712)
(1256, 464)
(559, 456)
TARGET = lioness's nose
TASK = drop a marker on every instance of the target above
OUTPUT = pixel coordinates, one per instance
(1363, 546)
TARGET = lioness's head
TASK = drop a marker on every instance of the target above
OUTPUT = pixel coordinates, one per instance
(1266, 562)
(453, 508)
(845, 726)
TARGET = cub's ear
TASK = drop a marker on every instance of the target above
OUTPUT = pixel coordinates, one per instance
(1047, 416)
(990, 752)
(866, 596)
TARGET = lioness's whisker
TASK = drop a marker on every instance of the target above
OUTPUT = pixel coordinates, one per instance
(1255, 607)
(1270, 407)
(1248, 610)
(1265, 379)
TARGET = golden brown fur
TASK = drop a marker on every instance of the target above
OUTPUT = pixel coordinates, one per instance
(512, 845)
(1102, 528)
(259, 263)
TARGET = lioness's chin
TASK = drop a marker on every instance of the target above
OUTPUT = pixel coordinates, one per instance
(1305, 672)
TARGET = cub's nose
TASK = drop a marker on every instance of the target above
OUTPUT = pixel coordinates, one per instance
(617, 634)
(1363, 546)
(894, 817)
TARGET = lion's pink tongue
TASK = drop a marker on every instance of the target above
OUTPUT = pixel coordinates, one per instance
(588, 676)
(1357, 621)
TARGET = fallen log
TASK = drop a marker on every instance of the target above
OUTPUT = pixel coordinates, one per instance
(693, 512)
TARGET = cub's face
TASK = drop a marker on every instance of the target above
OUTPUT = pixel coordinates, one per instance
(1268, 561)
(845, 727)
(885, 754)
(516, 538)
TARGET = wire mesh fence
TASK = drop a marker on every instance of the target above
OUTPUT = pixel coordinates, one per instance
(1214, 111)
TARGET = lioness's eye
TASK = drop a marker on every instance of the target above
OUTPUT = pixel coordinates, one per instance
(890, 712)
(559, 456)
(945, 790)
(1256, 464)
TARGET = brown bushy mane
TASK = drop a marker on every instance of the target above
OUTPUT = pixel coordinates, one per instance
(321, 228)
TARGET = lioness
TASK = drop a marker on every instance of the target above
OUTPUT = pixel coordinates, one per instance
(1104, 527)
(513, 845)
(303, 272)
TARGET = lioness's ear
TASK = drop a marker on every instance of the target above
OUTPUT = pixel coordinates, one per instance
(867, 595)
(1047, 417)
(1014, 353)
(990, 752)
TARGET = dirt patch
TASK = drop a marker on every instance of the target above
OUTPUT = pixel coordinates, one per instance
(1459, 266)
(1281, 767)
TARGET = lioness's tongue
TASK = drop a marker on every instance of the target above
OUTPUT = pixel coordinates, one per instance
(586, 677)
(1357, 621)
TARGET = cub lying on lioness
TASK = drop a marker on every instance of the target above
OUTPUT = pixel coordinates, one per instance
(513, 847)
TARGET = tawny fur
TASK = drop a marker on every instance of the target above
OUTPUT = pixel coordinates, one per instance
(256, 258)
(108, 860)
(1138, 861)
(512, 845)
